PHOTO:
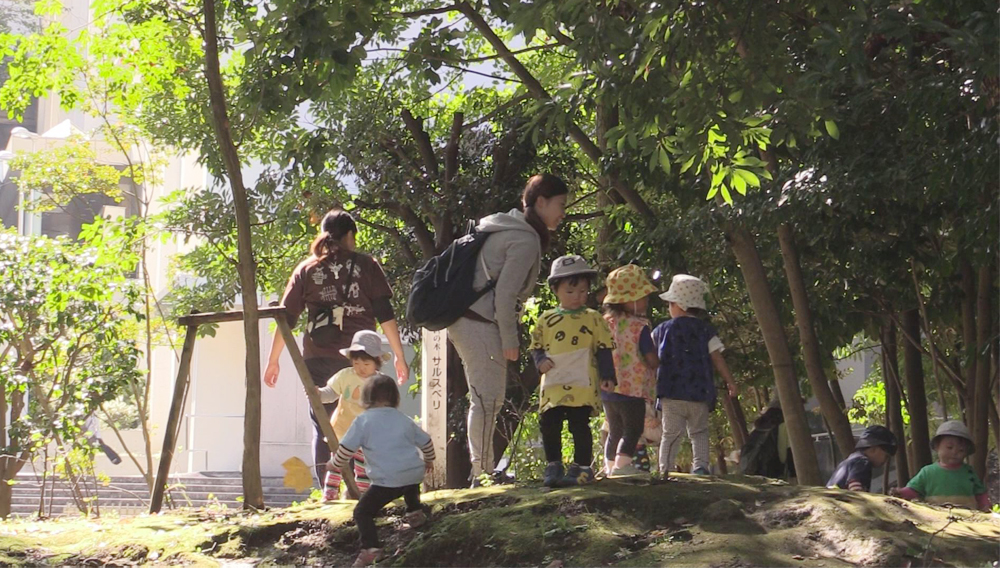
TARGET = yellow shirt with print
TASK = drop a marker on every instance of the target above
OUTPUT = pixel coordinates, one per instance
(347, 385)
(571, 340)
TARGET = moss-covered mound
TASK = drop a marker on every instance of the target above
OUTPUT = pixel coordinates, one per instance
(686, 521)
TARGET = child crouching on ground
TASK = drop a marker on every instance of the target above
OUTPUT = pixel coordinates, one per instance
(571, 346)
(398, 452)
(874, 448)
(366, 355)
(950, 480)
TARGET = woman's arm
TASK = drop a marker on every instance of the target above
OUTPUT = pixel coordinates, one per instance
(271, 373)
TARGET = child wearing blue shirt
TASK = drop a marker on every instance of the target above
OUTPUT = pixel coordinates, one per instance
(689, 349)
(398, 453)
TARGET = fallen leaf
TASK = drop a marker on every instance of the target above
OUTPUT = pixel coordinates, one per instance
(298, 475)
(798, 557)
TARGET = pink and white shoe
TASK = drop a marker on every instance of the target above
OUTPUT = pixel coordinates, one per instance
(367, 557)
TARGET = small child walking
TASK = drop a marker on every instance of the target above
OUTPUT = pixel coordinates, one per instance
(571, 346)
(635, 365)
(399, 454)
(689, 349)
(366, 355)
(874, 448)
(950, 480)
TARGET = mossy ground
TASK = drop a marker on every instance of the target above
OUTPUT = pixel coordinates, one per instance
(686, 521)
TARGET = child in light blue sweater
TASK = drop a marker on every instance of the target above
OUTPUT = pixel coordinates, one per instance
(398, 453)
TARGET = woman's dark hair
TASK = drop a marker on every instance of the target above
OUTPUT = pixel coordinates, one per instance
(336, 224)
(380, 388)
(366, 357)
(541, 185)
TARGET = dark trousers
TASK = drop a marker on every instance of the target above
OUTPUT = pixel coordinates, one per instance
(579, 426)
(372, 502)
(626, 421)
(321, 370)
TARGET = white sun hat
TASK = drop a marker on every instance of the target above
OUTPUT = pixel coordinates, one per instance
(687, 291)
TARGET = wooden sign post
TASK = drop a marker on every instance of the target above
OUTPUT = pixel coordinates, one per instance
(434, 402)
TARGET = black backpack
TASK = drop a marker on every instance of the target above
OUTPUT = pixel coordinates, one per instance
(443, 288)
(759, 455)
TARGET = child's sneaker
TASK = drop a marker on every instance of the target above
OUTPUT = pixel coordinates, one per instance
(641, 459)
(368, 556)
(414, 519)
(701, 471)
(578, 475)
(553, 475)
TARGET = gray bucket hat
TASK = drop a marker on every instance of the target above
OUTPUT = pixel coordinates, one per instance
(370, 343)
(957, 429)
(570, 265)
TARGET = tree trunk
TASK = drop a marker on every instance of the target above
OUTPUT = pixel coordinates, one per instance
(969, 341)
(769, 319)
(607, 118)
(916, 393)
(6, 496)
(737, 421)
(459, 462)
(253, 494)
(838, 394)
(893, 403)
(835, 417)
(984, 324)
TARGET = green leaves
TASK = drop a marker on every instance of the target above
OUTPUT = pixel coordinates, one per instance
(831, 129)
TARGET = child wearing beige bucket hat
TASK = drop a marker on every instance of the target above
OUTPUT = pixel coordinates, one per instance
(689, 351)
(367, 354)
(635, 365)
(950, 480)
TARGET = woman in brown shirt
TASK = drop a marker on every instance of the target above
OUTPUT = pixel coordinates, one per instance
(343, 291)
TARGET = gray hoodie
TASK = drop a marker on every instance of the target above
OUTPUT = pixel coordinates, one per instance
(512, 256)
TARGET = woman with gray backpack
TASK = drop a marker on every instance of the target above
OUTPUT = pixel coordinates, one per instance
(486, 335)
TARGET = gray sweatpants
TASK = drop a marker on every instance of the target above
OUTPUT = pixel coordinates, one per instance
(679, 415)
(478, 344)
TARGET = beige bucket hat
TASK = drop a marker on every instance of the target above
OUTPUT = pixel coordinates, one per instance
(687, 291)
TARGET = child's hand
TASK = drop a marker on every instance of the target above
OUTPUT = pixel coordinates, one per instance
(607, 385)
(546, 366)
(428, 467)
(894, 492)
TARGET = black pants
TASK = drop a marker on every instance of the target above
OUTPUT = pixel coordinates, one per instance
(321, 370)
(626, 421)
(372, 502)
(579, 426)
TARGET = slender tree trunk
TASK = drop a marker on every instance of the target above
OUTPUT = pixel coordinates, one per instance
(737, 421)
(459, 462)
(769, 319)
(253, 493)
(607, 118)
(838, 394)
(984, 324)
(835, 417)
(893, 402)
(969, 341)
(916, 393)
